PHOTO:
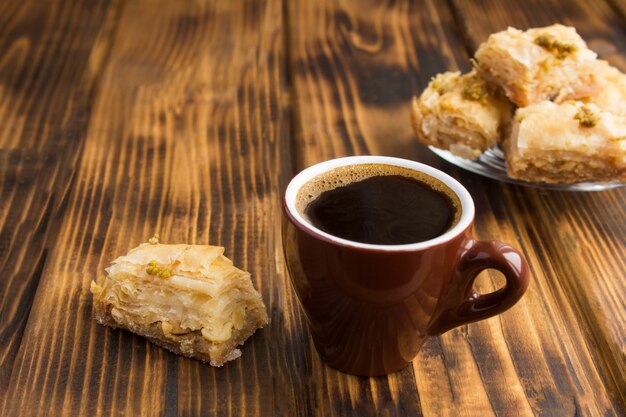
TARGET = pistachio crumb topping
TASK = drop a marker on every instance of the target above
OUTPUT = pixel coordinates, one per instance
(558, 49)
(586, 117)
(153, 268)
(442, 84)
(439, 87)
(475, 91)
(547, 63)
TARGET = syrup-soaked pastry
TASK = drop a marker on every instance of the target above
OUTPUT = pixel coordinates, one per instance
(548, 63)
(460, 113)
(612, 96)
(189, 299)
(565, 143)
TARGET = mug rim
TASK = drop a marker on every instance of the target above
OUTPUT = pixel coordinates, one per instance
(291, 192)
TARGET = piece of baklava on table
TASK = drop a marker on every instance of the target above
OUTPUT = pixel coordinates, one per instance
(189, 299)
(538, 64)
(460, 113)
(566, 143)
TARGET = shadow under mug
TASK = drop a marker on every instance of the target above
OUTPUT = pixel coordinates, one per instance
(370, 307)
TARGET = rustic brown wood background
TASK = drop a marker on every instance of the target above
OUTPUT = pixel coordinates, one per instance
(119, 118)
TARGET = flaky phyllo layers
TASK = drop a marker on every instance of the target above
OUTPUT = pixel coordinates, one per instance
(461, 113)
(584, 143)
(538, 64)
(569, 108)
(189, 299)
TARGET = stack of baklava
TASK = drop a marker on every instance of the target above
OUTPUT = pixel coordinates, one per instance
(557, 111)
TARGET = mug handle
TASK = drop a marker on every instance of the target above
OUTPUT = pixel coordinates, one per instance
(461, 304)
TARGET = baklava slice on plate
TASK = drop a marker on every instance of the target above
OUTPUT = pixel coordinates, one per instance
(612, 96)
(539, 64)
(566, 143)
(460, 113)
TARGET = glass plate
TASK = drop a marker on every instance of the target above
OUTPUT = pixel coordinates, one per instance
(491, 164)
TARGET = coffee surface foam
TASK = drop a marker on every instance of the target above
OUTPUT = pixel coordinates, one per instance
(342, 176)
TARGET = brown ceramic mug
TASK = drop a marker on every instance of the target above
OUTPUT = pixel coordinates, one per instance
(370, 307)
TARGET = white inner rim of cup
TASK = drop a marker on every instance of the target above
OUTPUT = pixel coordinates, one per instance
(467, 204)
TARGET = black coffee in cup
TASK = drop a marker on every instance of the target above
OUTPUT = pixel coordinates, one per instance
(379, 204)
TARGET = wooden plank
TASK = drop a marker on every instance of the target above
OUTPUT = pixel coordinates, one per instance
(189, 139)
(355, 64)
(619, 7)
(47, 80)
(582, 236)
(355, 67)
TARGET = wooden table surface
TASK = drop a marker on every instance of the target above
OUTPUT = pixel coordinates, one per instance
(121, 118)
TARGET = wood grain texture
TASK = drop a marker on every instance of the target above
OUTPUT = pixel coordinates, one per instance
(619, 7)
(355, 66)
(47, 82)
(123, 118)
(186, 138)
